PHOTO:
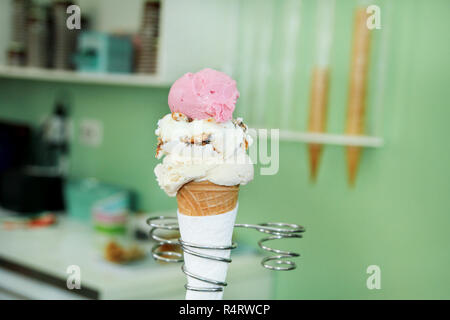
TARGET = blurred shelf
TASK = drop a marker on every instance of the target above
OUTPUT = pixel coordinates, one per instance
(135, 80)
(336, 139)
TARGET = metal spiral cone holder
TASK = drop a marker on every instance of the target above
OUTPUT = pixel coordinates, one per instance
(281, 261)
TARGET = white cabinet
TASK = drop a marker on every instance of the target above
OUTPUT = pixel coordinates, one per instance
(194, 34)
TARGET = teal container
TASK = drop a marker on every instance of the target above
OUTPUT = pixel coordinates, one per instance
(82, 195)
(102, 52)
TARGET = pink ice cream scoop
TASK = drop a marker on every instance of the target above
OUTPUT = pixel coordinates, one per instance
(205, 94)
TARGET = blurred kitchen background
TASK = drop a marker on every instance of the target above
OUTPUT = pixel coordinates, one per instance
(364, 157)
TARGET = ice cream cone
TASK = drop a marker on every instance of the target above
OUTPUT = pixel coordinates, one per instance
(200, 142)
(206, 215)
(206, 198)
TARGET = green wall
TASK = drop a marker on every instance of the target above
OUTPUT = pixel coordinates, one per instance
(397, 216)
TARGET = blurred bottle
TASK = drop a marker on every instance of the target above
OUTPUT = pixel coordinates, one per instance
(63, 39)
(148, 39)
(55, 137)
(19, 21)
(37, 37)
(19, 14)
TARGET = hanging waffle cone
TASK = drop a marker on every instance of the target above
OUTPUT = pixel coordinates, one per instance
(317, 115)
(358, 86)
(206, 198)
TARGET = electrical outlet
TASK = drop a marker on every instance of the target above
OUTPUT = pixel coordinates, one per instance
(91, 132)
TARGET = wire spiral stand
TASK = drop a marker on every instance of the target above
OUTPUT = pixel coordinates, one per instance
(275, 231)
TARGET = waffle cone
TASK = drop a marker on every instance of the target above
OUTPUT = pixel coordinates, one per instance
(206, 198)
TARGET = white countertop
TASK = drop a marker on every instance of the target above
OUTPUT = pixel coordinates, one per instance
(51, 250)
